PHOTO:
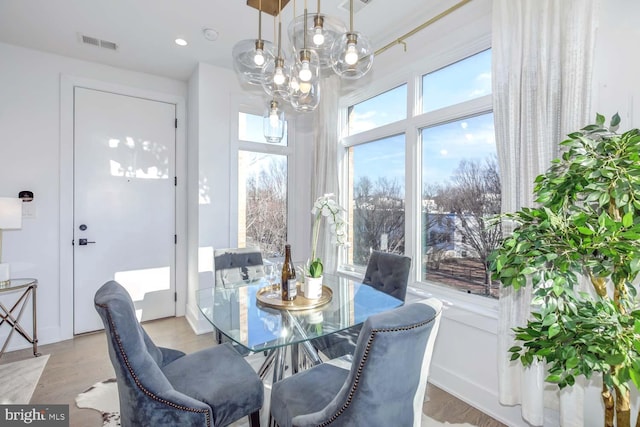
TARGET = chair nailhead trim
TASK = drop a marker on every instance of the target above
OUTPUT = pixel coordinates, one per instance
(363, 362)
(136, 380)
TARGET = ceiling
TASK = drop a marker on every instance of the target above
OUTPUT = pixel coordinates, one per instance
(144, 30)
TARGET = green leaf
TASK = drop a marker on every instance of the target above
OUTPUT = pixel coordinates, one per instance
(572, 362)
(549, 319)
(614, 359)
(600, 119)
(554, 378)
(554, 330)
(635, 377)
(615, 120)
(603, 199)
(627, 219)
(585, 230)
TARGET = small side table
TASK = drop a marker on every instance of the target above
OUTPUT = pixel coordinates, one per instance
(28, 288)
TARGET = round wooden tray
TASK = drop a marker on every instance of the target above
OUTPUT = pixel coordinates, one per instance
(270, 297)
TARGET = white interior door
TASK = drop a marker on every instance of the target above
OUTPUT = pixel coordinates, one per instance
(124, 203)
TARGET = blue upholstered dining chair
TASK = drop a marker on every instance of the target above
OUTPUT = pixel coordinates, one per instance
(386, 272)
(164, 387)
(233, 265)
(385, 385)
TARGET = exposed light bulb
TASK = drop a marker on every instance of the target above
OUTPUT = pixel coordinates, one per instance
(351, 55)
(258, 59)
(274, 120)
(305, 73)
(278, 76)
(318, 37)
(305, 87)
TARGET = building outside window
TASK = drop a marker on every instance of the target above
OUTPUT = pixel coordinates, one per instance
(458, 186)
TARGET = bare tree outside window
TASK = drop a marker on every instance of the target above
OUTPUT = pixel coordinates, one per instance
(378, 218)
(264, 203)
(461, 194)
(470, 200)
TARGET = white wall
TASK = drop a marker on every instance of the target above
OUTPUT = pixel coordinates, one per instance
(617, 65)
(30, 160)
(209, 162)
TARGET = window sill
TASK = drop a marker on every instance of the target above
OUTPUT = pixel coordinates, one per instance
(471, 310)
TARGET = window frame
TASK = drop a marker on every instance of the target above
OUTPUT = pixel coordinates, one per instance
(252, 106)
(411, 126)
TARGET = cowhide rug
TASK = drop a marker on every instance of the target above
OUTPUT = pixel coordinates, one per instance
(103, 397)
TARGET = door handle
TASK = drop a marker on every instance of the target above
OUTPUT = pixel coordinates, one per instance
(83, 242)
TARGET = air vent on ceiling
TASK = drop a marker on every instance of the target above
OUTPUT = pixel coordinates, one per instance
(93, 41)
(358, 5)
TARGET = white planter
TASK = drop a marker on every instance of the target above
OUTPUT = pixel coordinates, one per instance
(312, 287)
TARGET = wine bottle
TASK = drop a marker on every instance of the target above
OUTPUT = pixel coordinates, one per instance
(288, 284)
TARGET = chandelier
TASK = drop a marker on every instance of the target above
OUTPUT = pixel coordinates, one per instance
(319, 45)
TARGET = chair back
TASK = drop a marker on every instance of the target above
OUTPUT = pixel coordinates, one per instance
(235, 265)
(385, 380)
(418, 400)
(142, 386)
(389, 273)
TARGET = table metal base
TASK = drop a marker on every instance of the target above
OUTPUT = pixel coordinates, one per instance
(28, 287)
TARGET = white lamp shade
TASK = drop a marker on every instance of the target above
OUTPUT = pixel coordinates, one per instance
(10, 213)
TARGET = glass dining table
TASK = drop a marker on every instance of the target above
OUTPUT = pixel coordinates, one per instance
(237, 312)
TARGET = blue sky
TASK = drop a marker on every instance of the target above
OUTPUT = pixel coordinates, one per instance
(445, 145)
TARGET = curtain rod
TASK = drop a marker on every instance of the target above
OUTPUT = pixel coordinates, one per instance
(400, 40)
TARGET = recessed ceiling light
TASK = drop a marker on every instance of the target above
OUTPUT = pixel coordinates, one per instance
(181, 42)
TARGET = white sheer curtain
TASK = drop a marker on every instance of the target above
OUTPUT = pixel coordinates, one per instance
(325, 175)
(542, 62)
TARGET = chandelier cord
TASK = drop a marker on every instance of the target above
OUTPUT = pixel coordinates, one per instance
(259, 19)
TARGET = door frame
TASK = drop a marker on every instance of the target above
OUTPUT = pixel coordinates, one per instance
(67, 85)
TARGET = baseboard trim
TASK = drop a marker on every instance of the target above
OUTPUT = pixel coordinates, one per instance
(476, 395)
(196, 320)
(47, 335)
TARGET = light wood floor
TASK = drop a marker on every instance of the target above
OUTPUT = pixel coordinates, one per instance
(74, 365)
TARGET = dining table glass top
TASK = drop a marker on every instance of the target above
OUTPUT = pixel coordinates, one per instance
(236, 312)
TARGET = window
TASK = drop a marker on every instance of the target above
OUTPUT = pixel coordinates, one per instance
(250, 129)
(458, 181)
(376, 208)
(462, 81)
(388, 107)
(460, 193)
(262, 189)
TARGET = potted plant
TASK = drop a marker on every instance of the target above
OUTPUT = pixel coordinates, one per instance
(587, 225)
(324, 207)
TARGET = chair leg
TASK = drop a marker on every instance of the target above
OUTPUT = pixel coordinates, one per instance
(254, 419)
